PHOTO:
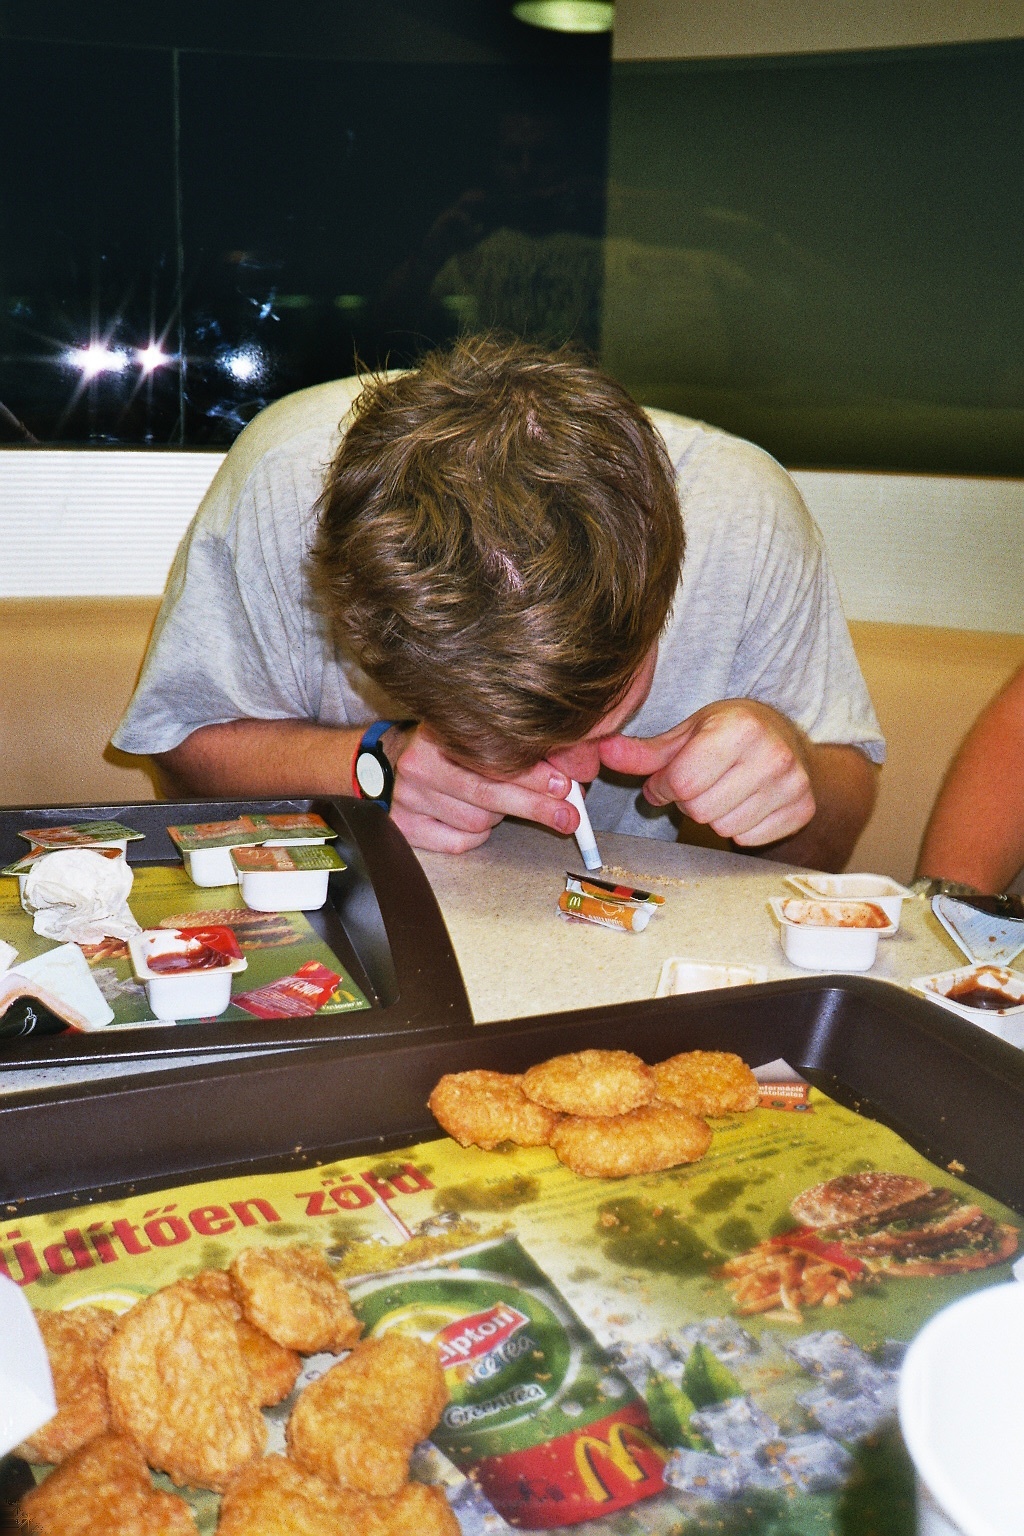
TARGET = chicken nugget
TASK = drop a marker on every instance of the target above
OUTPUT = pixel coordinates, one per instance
(179, 1387)
(590, 1083)
(274, 1368)
(707, 1082)
(292, 1294)
(482, 1109)
(277, 1498)
(358, 1424)
(414, 1511)
(104, 1489)
(645, 1140)
(73, 1342)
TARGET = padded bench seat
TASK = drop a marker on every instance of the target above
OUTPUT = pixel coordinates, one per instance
(69, 666)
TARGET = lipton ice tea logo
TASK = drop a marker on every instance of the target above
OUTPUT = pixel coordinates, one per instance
(626, 1450)
(475, 1348)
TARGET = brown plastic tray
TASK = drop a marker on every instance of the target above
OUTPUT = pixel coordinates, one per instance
(948, 1087)
(381, 920)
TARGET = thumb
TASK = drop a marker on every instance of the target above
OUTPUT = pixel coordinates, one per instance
(640, 756)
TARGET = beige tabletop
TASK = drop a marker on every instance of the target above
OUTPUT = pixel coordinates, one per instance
(519, 957)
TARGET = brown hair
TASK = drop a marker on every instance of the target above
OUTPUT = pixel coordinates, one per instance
(498, 546)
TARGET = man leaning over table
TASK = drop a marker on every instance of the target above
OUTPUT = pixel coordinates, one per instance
(481, 571)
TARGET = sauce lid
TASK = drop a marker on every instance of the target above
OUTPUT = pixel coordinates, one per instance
(80, 834)
(271, 859)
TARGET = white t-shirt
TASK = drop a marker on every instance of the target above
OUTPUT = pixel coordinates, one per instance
(756, 614)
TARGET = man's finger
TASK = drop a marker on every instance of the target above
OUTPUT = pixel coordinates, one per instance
(428, 782)
(435, 836)
(747, 792)
(640, 756)
(780, 824)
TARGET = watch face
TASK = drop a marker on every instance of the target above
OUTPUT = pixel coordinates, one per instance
(370, 776)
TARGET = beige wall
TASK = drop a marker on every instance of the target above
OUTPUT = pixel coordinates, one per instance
(696, 29)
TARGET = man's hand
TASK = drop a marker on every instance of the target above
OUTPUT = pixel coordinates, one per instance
(746, 771)
(736, 766)
(441, 805)
(438, 803)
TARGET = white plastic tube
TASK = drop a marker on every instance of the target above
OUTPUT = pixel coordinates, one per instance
(584, 832)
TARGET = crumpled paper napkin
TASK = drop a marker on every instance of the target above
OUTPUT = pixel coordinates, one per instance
(78, 895)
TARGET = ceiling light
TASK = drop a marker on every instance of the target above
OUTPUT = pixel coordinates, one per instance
(566, 15)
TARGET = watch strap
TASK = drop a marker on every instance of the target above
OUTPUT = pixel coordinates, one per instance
(370, 742)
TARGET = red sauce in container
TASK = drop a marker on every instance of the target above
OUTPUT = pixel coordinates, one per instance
(206, 949)
(197, 957)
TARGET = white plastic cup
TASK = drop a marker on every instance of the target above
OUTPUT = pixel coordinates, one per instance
(27, 1398)
(182, 994)
(277, 890)
(961, 1406)
(679, 976)
(816, 947)
(202, 996)
(210, 866)
(878, 889)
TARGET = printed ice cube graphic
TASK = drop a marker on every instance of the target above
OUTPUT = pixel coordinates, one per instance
(636, 1361)
(849, 1418)
(764, 1459)
(816, 1462)
(737, 1425)
(710, 1477)
(475, 1513)
(856, 1396)
(723, 1336)
(668, 1353)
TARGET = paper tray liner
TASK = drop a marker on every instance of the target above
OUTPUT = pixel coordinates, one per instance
(637, 1261)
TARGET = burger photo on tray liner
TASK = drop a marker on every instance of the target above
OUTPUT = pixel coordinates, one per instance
(860, 1227)
(899, 1225)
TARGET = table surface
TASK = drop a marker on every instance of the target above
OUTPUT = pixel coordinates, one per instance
(518, 957)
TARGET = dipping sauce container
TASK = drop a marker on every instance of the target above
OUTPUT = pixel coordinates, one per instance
(285, 878)
(878, 889)
(187, 971)
(831, 935)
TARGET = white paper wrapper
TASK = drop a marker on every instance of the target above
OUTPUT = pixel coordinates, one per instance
(8, 955)
(79, 895)
(27, 1400)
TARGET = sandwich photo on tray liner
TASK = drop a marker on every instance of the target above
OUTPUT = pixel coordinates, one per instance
(447, 1339)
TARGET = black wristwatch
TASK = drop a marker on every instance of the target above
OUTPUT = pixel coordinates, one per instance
(373, 777)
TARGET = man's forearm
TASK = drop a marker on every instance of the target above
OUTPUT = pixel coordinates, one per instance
(262, 757)
(845, 785)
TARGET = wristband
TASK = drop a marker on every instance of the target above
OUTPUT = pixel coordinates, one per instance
(373, 777)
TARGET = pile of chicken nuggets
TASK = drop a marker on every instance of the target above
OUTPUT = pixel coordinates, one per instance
(177, 1383)
(605, 1114)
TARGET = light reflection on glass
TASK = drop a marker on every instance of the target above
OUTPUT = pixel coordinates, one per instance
(97, 358)
(152, 357)
(244, 364)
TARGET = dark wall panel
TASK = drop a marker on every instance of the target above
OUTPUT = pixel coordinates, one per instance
(836, 244)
